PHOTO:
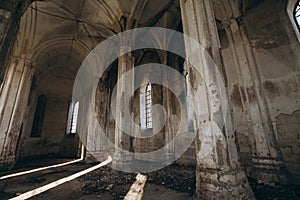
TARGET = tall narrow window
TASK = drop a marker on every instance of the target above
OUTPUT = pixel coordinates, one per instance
(73, 117)
(146, 106)
(39, 116)
(297, 14)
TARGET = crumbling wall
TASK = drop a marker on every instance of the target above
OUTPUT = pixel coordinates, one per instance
(276, 54)
(288, 128)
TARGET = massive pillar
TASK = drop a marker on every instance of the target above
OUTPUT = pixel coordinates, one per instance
(218, 175)
(10, 15)
(124, 89)
(13, 100)
(266, 156)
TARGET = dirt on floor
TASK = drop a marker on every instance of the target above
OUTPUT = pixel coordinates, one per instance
(173, 182)
(275, 191)
(15, 186)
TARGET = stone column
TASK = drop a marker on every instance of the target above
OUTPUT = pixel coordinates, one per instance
(218, 174)
(13, 101)
(266, 155)
(122, 140)
(10, 15)
(167, 104)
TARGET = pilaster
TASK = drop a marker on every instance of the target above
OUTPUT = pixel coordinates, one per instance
(122, 140)
(266, 155)
(12, 107)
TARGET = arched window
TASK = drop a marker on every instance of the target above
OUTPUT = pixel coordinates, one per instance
(39, 116)
(297, 14)
(293, 11)
(72, 118)
(146, 106)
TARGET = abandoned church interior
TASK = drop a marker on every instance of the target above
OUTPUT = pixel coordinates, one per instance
(246, 146)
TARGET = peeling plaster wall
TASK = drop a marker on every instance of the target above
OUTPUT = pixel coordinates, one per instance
(276, 51)
(288, 128)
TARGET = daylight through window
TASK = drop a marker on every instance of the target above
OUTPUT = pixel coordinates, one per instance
(73, 117)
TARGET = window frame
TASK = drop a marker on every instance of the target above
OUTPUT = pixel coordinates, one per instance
(146, 117)
(72, 118)
(297, 6)
(148, 106)
(291, 10)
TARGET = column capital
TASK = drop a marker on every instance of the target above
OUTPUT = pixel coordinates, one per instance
(21, 60)
(28, 63)
(233, 23)
(226, 24)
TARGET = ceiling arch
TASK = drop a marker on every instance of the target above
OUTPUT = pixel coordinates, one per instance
(52, 28)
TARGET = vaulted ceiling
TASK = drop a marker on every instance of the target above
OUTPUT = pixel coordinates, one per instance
(97, 19)
(53, 30)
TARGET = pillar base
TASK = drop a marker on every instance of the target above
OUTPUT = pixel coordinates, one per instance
(89, 158)
(269, 170)
(122, 160)
(223, 184)
(7, 163)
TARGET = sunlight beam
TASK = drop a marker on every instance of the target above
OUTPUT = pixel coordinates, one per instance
(54, 184)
